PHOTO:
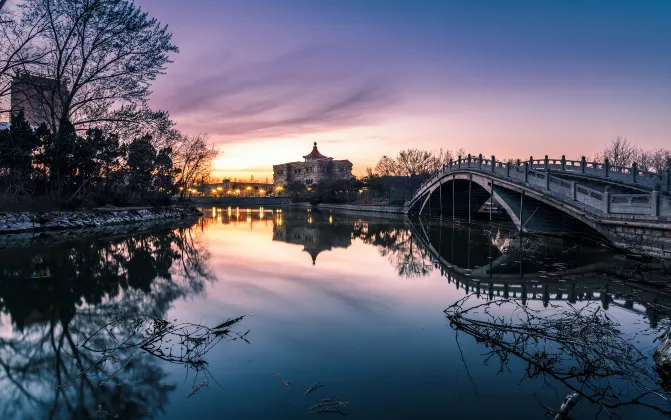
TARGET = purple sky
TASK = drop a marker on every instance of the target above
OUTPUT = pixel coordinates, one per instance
(363, 78)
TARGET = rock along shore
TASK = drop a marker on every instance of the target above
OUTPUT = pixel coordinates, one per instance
(20, 222)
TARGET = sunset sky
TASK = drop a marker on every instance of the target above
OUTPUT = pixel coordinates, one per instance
(363, 78)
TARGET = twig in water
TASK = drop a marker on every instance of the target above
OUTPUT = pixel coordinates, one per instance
(198, 387)
(287, 384)
(329, 405)
(314, 388)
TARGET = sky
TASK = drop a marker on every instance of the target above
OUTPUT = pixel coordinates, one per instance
(365, 78)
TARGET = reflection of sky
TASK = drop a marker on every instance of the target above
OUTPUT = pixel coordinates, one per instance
(266, 78)
(379, 341)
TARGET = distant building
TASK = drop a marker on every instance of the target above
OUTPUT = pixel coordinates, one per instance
(4, 126)
(35, 96)
(314, 168)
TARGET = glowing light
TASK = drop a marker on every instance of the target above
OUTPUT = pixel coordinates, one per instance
(249, 219)
(237, 191)
(279, 188)
(220, 188)
(214, 212)
(248, 188)
(330, 220)
(229, 192)
(218, 218)
(262, 191)
(310, 220)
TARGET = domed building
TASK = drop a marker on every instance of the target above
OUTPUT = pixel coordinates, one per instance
(314, 168)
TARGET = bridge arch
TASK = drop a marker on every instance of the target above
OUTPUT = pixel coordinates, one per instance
(459, 194)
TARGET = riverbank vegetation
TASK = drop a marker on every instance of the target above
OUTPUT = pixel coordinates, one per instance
(75, 80)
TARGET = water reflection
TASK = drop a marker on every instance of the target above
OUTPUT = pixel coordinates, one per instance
(364, 279)
(75, 317)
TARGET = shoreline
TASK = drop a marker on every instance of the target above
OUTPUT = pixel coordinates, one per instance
(34, 222)
(366, 208)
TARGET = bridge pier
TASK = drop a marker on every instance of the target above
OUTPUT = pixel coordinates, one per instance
(470, 186)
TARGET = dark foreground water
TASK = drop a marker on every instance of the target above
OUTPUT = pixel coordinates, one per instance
(397, 320)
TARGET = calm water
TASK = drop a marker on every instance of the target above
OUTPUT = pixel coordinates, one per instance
(356, 303)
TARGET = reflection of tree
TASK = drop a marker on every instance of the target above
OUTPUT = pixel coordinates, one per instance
(582, 347)
(113, 293)
(397, 245)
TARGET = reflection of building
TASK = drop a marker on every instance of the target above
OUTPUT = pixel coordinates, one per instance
(315, 237)
(315, 168)
(36, 96)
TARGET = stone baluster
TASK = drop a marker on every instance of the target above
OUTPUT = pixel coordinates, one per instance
(547, 162)
(480, 161)
(654, 200)
(508, 169)
(634, 172)
(667, 180)
(563, 163)
(459, 162)
(605, 204)
(493, 162)
(450, 164)
(573, 191)
(583, 164)
(526, 172)
(468, 161)
(606, 167)
(547, 179)
(531, 162)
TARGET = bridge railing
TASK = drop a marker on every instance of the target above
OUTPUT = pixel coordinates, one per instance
(539, 173)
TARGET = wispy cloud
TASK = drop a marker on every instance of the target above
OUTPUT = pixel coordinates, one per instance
(298, 92)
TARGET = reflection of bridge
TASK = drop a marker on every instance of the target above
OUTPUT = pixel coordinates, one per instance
(557, 197)
(514, 271)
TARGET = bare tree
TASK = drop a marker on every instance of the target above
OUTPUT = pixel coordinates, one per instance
(16, 51)
(656, 160)
(441, 158)
(619, 152)
(193, 158)
(101, 57)
(580, 346)
(387, 166)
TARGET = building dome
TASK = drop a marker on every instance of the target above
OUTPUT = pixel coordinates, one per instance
(314, 154)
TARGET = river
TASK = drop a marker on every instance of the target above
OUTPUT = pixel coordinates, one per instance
(292, 314)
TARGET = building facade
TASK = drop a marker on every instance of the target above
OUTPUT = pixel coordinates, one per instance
(313, 169)
(36, 96)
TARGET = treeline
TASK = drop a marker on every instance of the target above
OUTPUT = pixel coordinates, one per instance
(415, 162)
(621, 152)
(82, 72)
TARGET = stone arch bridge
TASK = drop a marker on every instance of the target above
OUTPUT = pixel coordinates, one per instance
(628, 208)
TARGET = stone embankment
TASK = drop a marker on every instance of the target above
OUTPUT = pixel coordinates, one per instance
(22, 222)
